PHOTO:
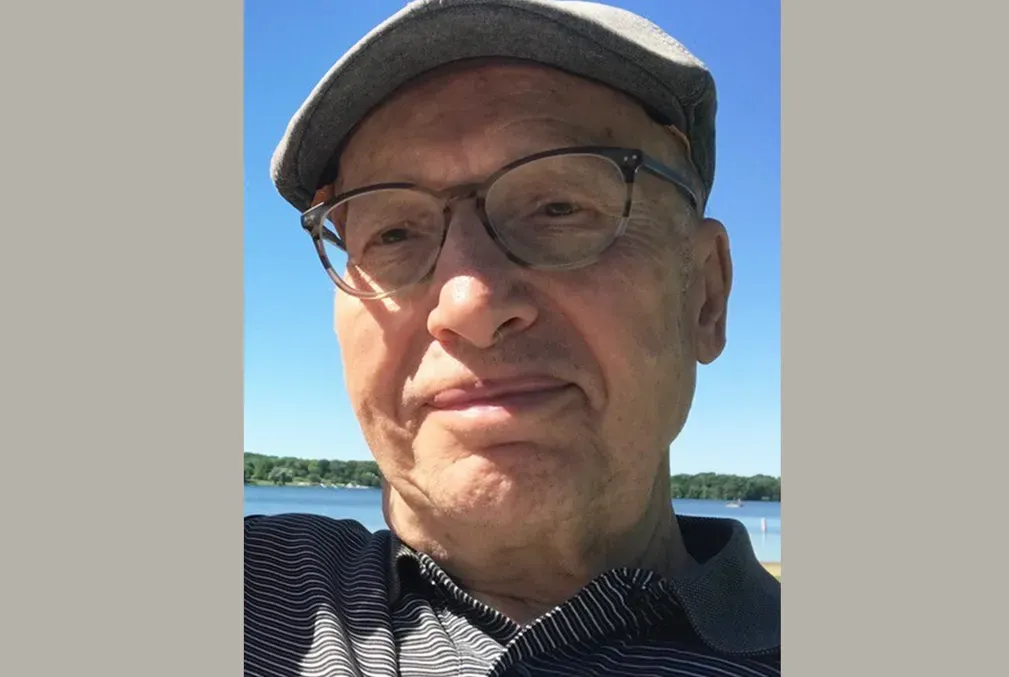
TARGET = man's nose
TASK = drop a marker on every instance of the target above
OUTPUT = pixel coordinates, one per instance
(483, 296)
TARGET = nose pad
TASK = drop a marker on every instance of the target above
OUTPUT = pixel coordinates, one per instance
(461, 194)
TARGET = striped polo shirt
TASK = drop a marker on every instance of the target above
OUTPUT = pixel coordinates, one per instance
(327, 597)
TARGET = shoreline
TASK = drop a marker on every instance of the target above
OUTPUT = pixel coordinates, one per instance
(774, 568)
(302, 483)
(268, 483)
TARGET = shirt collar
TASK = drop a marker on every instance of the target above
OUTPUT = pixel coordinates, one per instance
(730, 599)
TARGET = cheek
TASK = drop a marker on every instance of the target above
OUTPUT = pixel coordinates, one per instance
(636, 337)
(631, 311)
(373, 353)
(640, 301)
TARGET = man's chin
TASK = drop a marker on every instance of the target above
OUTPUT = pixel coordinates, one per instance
(483, 491)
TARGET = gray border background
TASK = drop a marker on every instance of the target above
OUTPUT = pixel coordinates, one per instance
(893, 336)
(121, 378)
(121, 276)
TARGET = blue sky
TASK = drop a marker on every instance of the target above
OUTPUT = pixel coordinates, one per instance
(295, 403)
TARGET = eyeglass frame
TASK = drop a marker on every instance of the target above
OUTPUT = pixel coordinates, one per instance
(629, 161)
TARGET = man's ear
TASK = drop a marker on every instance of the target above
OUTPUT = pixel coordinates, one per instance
(323, 194)
(713, 280)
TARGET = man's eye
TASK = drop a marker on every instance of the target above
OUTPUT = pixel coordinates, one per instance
(393, 235)
(559, 209)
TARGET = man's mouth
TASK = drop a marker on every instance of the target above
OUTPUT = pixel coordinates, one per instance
(512, 393)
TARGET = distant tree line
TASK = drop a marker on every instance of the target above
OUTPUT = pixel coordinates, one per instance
(726, 487)
(262, 469)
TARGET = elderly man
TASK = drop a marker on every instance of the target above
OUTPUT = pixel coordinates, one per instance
(509, 198)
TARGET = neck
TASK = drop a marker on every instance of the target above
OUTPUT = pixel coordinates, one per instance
(527, 573)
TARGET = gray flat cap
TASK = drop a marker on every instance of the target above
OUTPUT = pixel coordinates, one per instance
(603, 43)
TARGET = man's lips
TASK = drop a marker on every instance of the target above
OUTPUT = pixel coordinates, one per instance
(498, 393)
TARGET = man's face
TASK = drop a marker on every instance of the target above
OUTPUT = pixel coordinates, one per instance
(609, 351)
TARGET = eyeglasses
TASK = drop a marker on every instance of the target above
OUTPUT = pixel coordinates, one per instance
(555, 210)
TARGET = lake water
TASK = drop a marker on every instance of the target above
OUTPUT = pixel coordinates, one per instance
(365, 506)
